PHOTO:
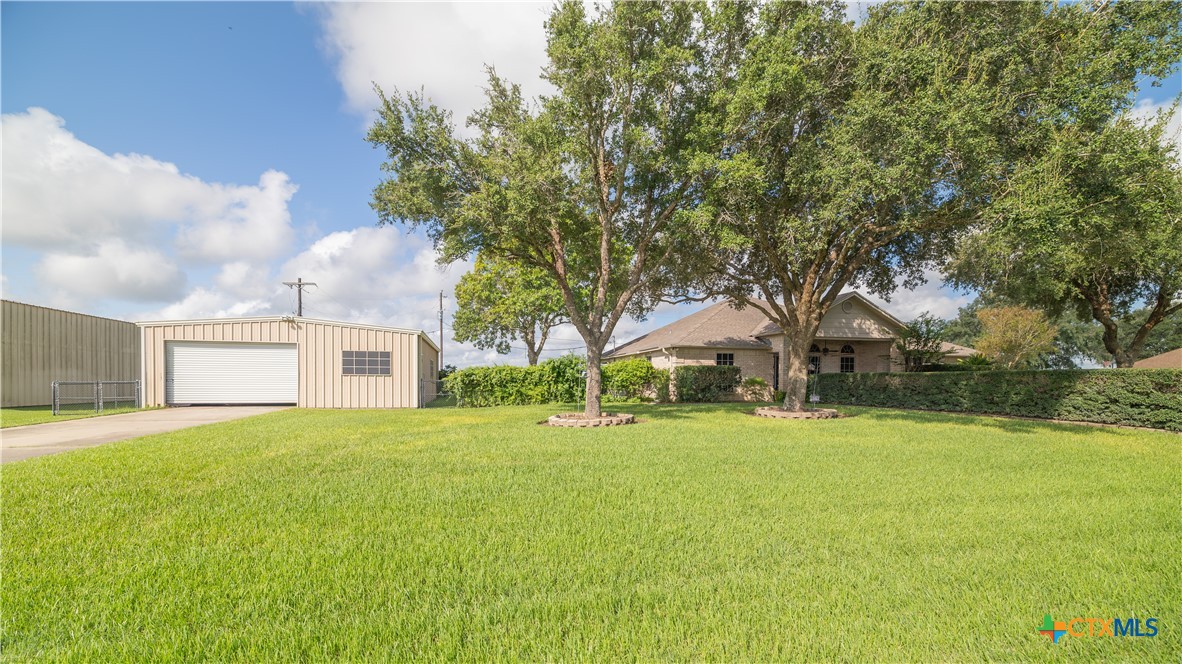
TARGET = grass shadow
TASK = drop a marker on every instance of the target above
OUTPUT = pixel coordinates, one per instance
(1000, 422)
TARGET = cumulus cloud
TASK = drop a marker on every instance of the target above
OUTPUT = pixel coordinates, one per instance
(440, 46)
(62, 193)
(113, 267)
(375, 275)
(205, 302)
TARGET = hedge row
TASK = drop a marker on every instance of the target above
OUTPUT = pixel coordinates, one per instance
(1134, 397)
(705, 383)
(558, 380)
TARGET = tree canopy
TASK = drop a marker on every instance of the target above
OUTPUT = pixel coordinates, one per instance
(851, 151)
(1088, 215)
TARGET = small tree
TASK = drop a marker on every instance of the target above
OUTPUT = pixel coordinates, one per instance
(499, 302)
(1015, 337)
(919, 342)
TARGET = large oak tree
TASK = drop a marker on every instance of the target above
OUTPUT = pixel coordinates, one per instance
(1088, 215)
(848, 150)
(590, 184)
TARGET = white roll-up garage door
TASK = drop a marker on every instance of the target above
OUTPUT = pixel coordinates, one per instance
(200, 372)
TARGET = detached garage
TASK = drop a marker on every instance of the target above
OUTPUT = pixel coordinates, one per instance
(286, 360)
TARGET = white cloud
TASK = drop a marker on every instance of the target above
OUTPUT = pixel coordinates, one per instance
(375, 275)
(113, 268)
(441, 47)
(205, 302)
(62, 193)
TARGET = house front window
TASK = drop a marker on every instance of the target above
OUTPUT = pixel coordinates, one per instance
(724, 359)
(814, 364)
(847, 364)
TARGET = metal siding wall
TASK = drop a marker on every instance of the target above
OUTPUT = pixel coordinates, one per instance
(41, 345)
(320, 345)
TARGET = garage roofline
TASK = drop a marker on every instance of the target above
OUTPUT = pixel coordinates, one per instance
(291, 319)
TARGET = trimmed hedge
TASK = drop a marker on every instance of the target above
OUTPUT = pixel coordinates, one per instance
(559, 380)
(1133, 397)
(705, 382)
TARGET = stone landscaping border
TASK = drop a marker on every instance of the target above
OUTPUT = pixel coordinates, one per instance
(807, 414)
(581, 420)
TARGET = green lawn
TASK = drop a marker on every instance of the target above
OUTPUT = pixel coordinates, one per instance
(19, 417)
(702, 533)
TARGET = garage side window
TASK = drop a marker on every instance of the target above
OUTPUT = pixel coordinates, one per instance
(365, 362)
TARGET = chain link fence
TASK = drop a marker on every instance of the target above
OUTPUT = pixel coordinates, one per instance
(436, 391)
(96, 395)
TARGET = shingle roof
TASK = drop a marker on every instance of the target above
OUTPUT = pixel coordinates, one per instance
(1171, 359)
(719, 325)
(723, 326)
(956, 350)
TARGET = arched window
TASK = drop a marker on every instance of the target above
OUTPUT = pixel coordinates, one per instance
(814, 349)
(847, 359)
(847, 350)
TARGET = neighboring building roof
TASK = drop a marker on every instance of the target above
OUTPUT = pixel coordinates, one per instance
(719, 325)
(1171, 359)
(956, 350)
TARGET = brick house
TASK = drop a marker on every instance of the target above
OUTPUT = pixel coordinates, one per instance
(855, 336)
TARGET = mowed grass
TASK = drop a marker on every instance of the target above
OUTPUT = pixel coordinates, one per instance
(19, 417)
(702, 533)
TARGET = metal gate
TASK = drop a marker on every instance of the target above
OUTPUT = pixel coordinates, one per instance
(95, 395)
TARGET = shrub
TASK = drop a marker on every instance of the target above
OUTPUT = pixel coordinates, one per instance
(629, 380)
(556, 380)
(755, 389)
(705, 383)
(1135, 397)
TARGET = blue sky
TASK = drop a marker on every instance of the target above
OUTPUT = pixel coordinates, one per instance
(177, 160)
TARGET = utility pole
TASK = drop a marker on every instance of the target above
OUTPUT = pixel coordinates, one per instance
(299, 284)
(440, 333)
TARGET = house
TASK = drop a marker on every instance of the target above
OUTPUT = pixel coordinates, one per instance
(268, 360)
(855, 336)
(1171, 359)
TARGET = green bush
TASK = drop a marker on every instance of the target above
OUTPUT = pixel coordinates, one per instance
(705, 383)
(629, 380)
(559, 380)
(556, 380)
(1134, 397)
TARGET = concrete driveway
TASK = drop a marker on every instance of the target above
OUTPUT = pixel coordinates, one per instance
(17, 443)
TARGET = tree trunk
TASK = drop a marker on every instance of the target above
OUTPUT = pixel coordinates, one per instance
(531, 354)
(795, 361)
(594, 382)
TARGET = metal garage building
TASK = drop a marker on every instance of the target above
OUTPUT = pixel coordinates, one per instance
(41, 345)
(302, 361)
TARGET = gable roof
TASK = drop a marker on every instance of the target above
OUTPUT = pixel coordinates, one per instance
(768, 328)
(722, 325)
(719, 325)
